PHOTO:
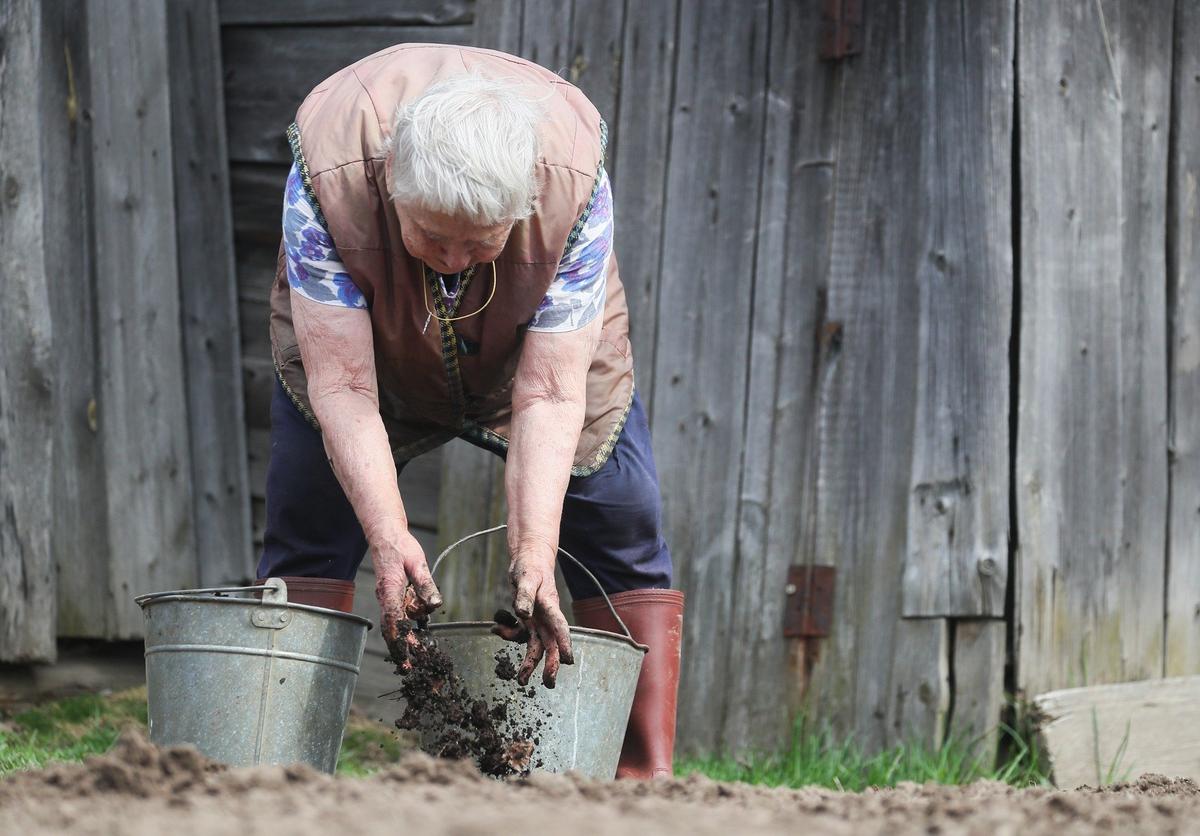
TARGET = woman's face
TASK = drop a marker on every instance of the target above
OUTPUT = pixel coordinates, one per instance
(448, 244)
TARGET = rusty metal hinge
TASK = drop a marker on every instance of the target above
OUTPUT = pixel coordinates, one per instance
(808, 612)
(841, 28)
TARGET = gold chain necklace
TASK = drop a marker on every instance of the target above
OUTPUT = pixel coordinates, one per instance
(432, 315)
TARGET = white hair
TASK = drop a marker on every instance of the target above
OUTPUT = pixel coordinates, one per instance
(467, 147)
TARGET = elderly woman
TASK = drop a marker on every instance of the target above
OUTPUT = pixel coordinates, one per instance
(447, 270)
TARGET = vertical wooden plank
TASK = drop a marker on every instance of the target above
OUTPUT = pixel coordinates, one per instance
(498, 24)
(597, 27)
(956, 561)
(27, 589)
(79, 503)
(904, 238)
(1183, 236)
(142, 416)
(546, 34)
(978, 687)
(1091, 450)
(474, 579)
(208, 295)
(790, 280)
(643, 123)
(703, 328)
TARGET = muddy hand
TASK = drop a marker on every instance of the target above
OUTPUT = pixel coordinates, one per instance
(407, 595)
(539, 622)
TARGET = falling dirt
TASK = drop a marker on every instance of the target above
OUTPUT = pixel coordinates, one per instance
(139, 790)
(452, 722)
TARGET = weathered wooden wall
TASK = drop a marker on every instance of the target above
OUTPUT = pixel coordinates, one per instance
(1182, 646)
(27, 609)
(1091, 458)
(142, 444)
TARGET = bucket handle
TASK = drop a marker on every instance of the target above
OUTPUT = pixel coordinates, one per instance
(274, 591)
(561, 551)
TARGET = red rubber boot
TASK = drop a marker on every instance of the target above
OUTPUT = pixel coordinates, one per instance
(655, 618)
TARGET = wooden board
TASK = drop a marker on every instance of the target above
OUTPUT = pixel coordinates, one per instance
(208, 295)
(1183, 293)
(27, 588)
(977, 688)
(257, 194)
(79, 504)
(898, 242)
(1106, 733)
(642, 123)
(142, 418)
(1091, 467)
(959, 254)
(474, 581)
(346, 12)
(789, 279)
(269, 71)
(704, 314)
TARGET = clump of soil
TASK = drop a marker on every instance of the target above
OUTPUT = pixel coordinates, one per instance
(452, 722)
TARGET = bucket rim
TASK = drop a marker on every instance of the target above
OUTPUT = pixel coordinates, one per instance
(584, 631)
(186, 595)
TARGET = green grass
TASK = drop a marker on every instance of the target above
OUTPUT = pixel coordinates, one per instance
(70, 729)
(814, 757)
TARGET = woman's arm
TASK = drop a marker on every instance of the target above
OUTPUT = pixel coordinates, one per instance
(339, 361)
(549, 397)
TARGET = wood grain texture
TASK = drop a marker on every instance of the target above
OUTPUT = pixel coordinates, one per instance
(80, 506)
(704, 315)
(898, 243)
(498, 24)
(978, 688)
(27, 588)
(789, 282)
(1091, 464)
(1183, 237)
(960, 256)
(596, 39)
(346, 12)
(643, 124)
(142, 415)
(474, 580)
(208, 296)
(546, 33)
(270, 70)
(1108, 733)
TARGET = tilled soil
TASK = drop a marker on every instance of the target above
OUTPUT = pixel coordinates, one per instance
(138, 789)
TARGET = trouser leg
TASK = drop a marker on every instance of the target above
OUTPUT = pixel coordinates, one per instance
(612, 520)
(312, 530)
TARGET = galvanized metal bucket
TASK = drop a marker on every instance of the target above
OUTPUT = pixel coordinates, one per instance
(580, 723)
(250, 681)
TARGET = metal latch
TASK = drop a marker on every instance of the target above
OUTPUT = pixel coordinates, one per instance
(841, 28)
(808, 612)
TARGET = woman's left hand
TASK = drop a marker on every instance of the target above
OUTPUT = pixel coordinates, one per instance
(539, 619)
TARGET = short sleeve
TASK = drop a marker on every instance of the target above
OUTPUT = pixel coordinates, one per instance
(576, 296)
(314, 268)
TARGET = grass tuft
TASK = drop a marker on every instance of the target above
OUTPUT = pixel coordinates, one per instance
(815, 757)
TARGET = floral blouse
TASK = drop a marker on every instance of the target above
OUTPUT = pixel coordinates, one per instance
(575, 297)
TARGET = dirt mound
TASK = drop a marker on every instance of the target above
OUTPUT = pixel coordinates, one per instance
(138, 789)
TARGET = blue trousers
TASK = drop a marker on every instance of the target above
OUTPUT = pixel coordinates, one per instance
(611, 520)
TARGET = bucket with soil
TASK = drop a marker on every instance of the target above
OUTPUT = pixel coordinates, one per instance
(463, 699)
